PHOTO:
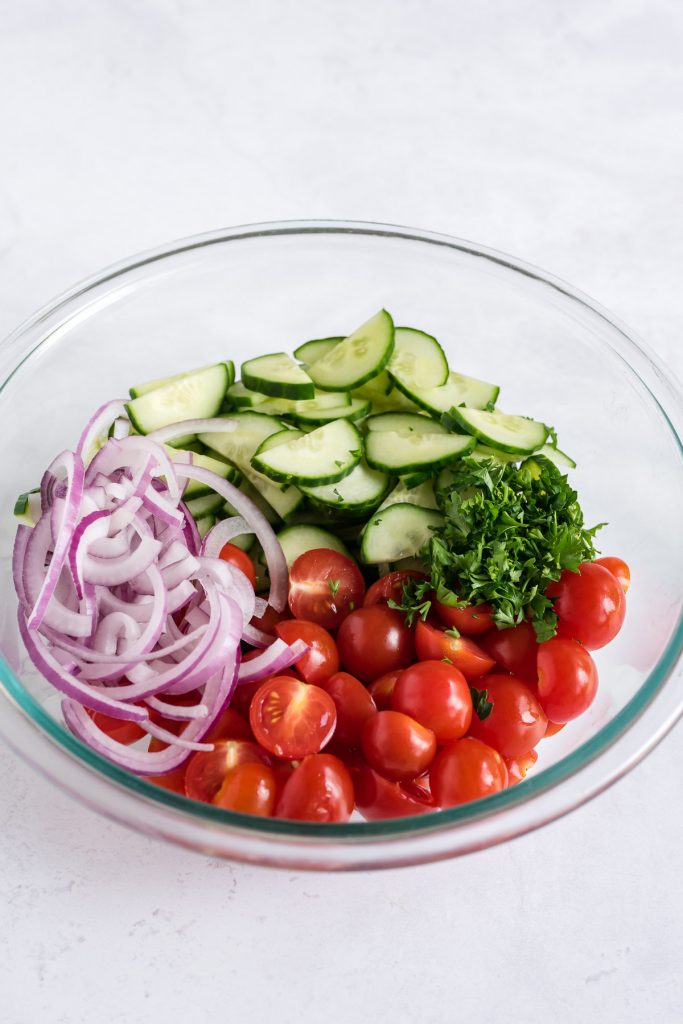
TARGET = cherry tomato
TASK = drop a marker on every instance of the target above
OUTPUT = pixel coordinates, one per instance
(377, 798)
(567, 679)
(291, 718)
(518, 766)
(322, 660)
(434, 644)
(472, 620)
(618, 568)
(324, 586)
(320, 789)
(553, 728)
(381, 689)
(375, 640)
(229, 726)
(437, 696)
(514, 649)
(269, 620)
(244, 692)
(117, 728)
(466, 770)
(390, 587)
(516, 722)
(174, 780)
(354, 706)
(207, 769)
(397, 746)
(248, 789)
(590, 605)
(240, 559)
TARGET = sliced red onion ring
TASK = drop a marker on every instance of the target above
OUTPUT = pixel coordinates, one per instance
(222, 533)
(271, 661)
(98, 425)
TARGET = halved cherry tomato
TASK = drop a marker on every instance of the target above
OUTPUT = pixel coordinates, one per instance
(567, 679)
(248, 789)
(390, 587)
(516, 722)
(434, 644)
(119, 730)
(354, 706)
(514, 649)
(553, 728)
(229, 726)
(472, 620)
(437, 696)
(397, 746)
(618, 568)
(244, 692)
(240, 559)
(518, 766)
(381, 689)
(290, 718)
(324, 586)
(465, 770)
(377, 798)
(373, 641)
(322, 659)
(590, 605)
(207, 769)
(320, 789)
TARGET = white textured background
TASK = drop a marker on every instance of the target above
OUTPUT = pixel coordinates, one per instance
(548, 129)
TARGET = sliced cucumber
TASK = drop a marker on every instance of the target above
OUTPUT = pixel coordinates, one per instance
(418, 361)
(153, 385)
(357, 359)
(395, 401)
(243, 398)
(281, 437)
(311, 351)
(401, 453)
(354, 409)
(377, 389)
(514, 434)
(296, 540)
(557, 457)
(458, 390)
(400, 531)
(248, 488)
(27, 507)
(196, 395)
(482, 452)
(206, 506)
(204, 524)
(324, 456)
(245, 541)
(422, 495)
(196, 488)
(362, 490)
(405, 422)
(277, 375)
(412, 480)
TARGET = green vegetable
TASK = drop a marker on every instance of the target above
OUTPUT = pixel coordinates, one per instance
(509, 531)
(481, 705)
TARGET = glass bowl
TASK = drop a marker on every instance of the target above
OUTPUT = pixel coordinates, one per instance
(557, 357)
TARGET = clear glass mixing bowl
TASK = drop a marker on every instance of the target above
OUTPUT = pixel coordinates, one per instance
(556, 355)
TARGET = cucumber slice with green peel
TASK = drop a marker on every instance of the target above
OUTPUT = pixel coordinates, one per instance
(323, 401)
(354, 409)
(28, 508)
(281, 437)
(204, 524)
(208, 505)
(405, 422)
(310, 351)
(557, 457)
(418, 361)
(245, 541)
(422, 495)
(377, 389)
(358, 358)
(362, 490)
(415, 479)
(404, 452)
(514, 434)
(458, 390)
(243, 398)
(395, 401)
(196, 488)
(153, 385)
(400, 531)
(482, 452)
(297, 540)
(324, 456)
(248, 488)
(196, 395)
(277, 375)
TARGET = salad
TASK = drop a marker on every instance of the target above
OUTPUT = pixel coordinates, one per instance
(345, 582)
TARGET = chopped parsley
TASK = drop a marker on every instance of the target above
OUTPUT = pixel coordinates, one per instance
(334, 586)
(509, 531)
(480, 703)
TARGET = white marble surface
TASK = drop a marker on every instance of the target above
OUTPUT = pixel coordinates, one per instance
(553, 131)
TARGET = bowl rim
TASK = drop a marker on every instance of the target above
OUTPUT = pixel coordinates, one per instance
(449, 819)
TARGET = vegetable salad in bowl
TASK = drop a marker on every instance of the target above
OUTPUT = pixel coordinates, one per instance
(346, 582)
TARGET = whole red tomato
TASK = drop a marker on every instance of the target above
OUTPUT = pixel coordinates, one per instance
(590, 605)
(373, 641)
(516, 721)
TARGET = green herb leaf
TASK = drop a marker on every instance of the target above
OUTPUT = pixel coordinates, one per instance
(482, 706)
(334, 586)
